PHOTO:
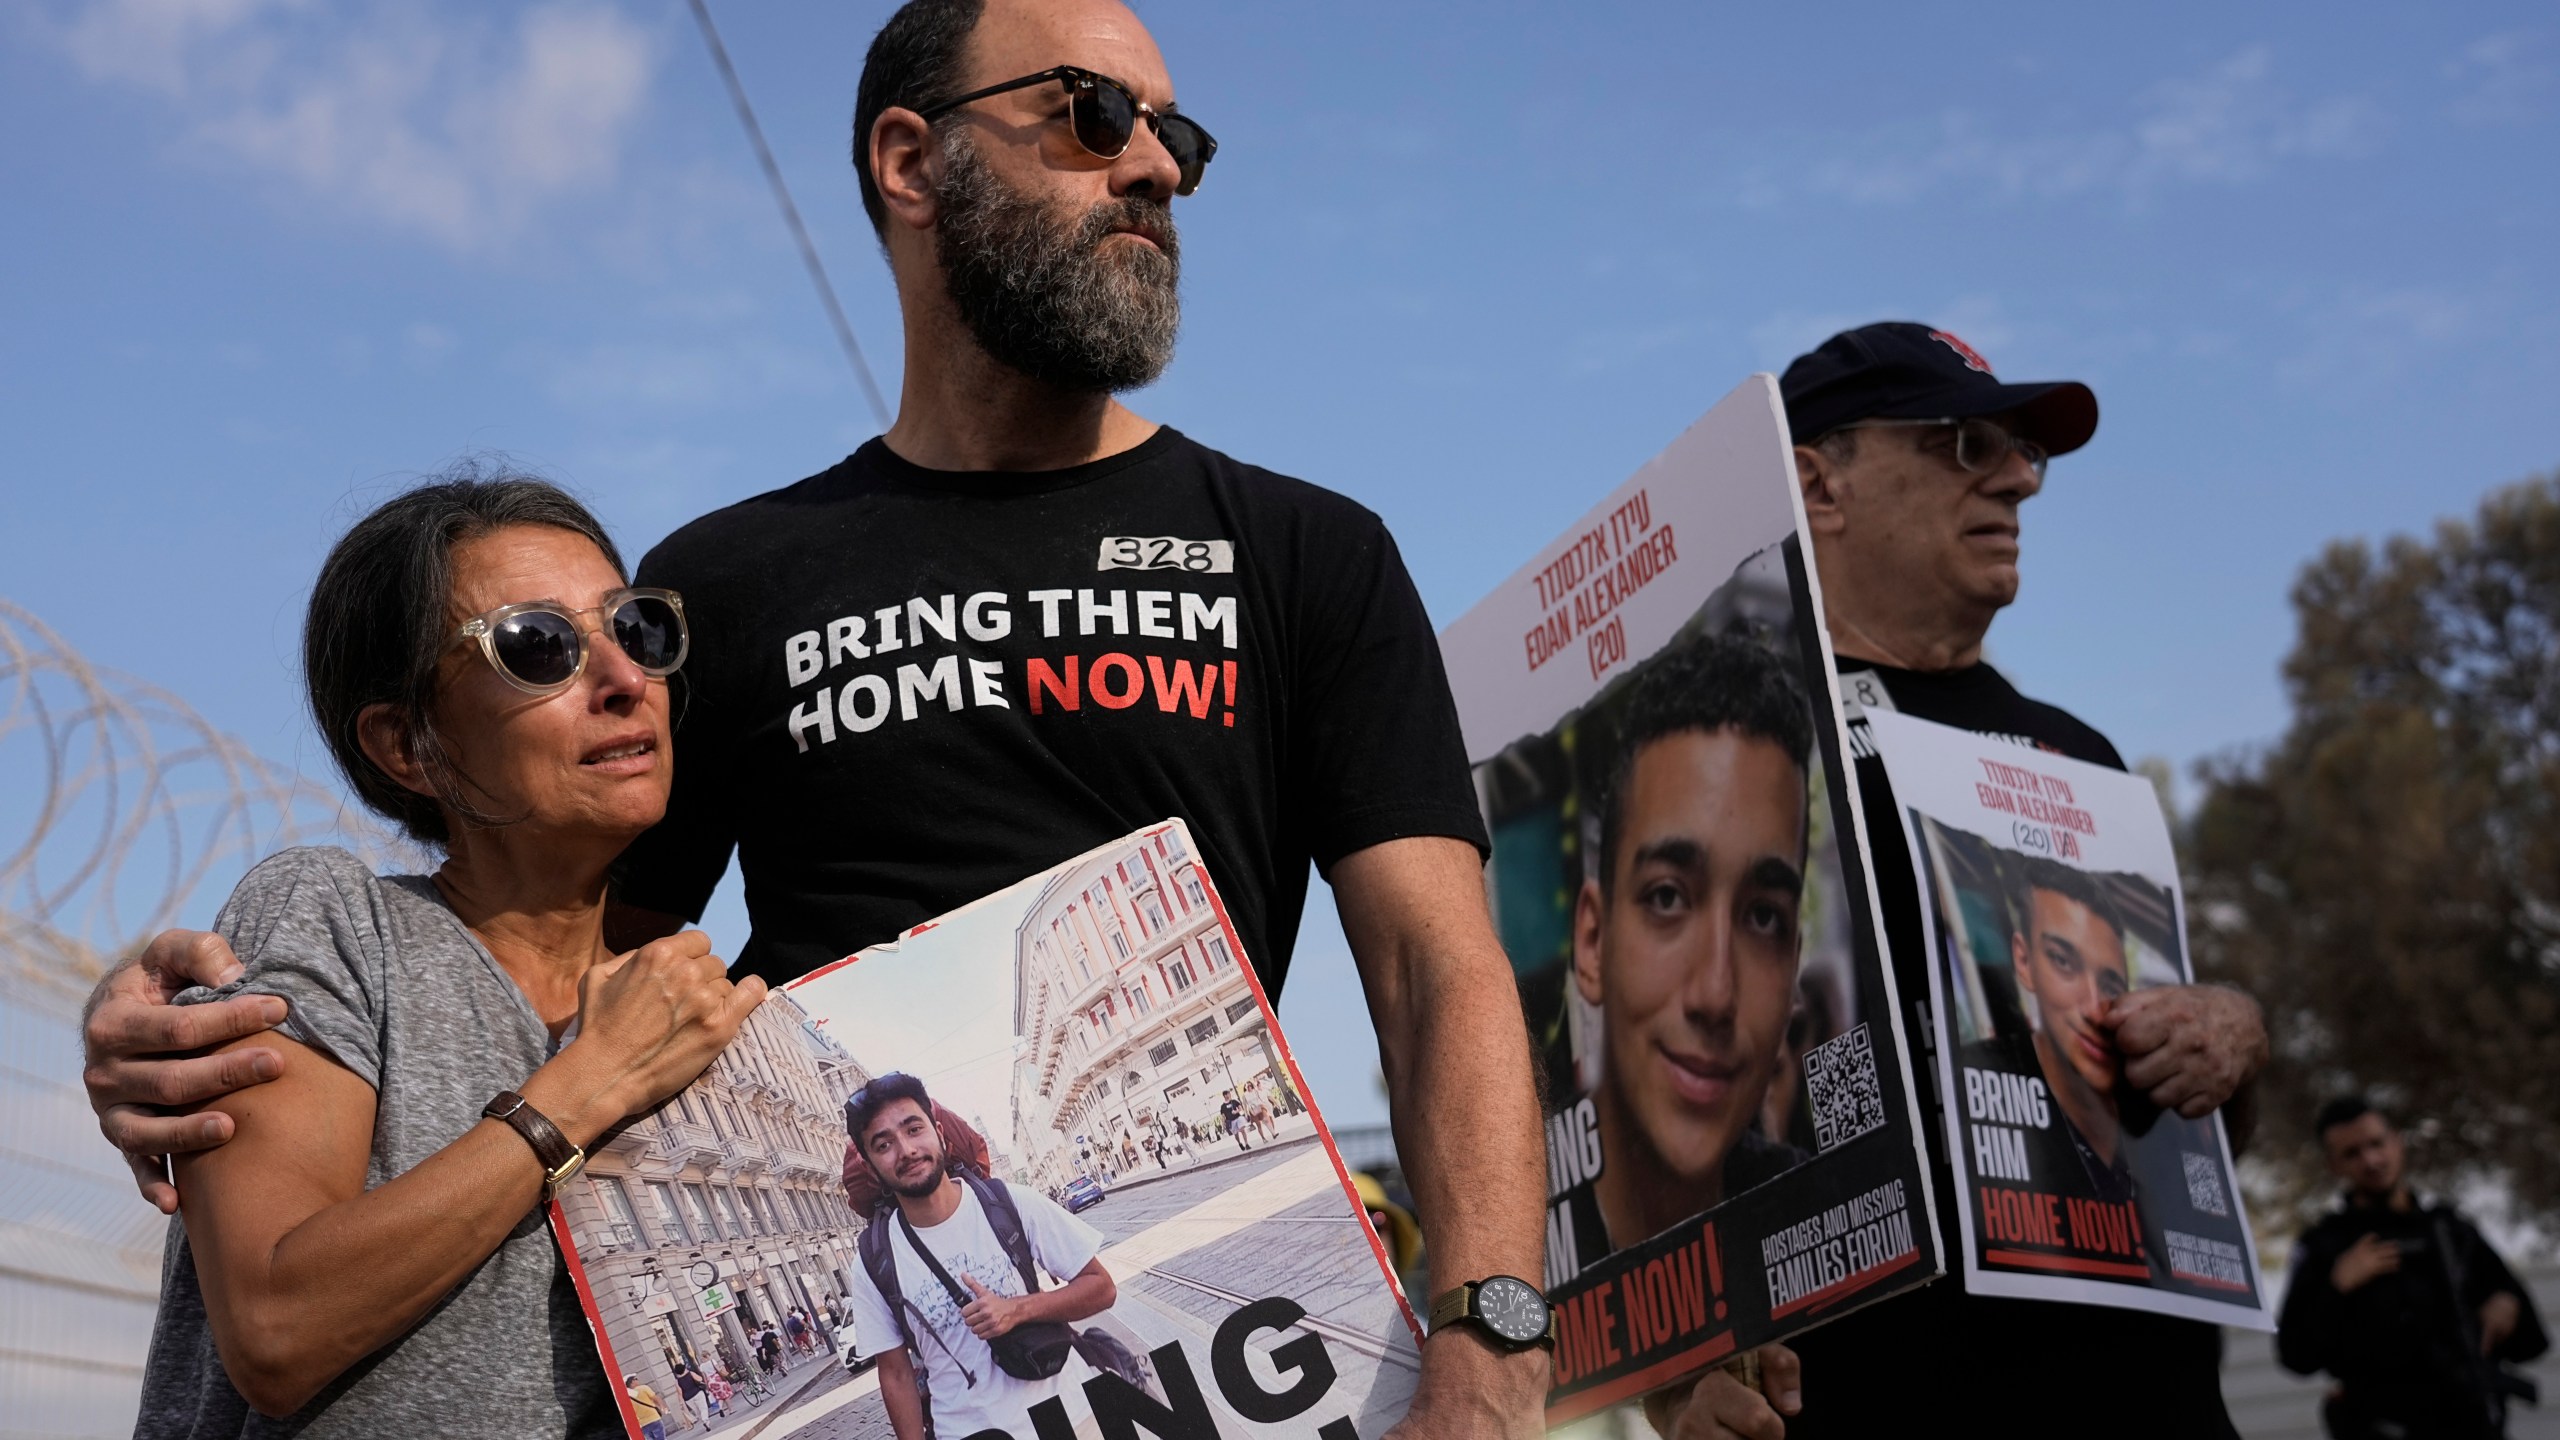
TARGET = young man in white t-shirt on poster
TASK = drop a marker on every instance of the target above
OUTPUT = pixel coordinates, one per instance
(892, 1123)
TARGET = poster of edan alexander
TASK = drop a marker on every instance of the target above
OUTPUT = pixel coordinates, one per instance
(2048, 889)
(1679, 876)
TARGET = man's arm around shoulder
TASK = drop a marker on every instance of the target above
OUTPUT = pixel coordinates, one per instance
(145, 1058)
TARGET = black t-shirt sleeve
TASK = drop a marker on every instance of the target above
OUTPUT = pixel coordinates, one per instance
(1378, 755)
(674, 867)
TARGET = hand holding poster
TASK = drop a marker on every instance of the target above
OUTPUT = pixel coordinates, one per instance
(2049, 892)
(1067, 1182)
(1679, 879)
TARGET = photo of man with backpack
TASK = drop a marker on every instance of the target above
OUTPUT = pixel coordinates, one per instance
(951, 1265)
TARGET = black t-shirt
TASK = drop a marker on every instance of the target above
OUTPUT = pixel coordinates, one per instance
(1939, 1357)
(909, 688)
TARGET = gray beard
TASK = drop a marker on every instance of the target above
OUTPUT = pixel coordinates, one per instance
(1040, 296)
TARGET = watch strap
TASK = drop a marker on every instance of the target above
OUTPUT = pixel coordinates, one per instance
(559, 1158)
(1452, 1306)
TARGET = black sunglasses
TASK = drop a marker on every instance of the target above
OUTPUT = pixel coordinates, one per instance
(1104, 116)
(541, 648)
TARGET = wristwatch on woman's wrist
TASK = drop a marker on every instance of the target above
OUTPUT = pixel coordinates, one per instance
(559, 1158)
(1510, 1311)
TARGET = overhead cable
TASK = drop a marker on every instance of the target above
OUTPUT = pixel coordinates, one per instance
(790, 212)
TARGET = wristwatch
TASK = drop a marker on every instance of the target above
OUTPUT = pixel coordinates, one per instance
(1508, 1309)
(559, 1158)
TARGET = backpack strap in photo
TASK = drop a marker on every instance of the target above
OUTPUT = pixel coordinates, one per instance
(873, 1246)
(1005, 1218)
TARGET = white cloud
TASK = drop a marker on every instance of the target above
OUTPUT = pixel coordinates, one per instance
(2367, 337)
(399, 112)
(2229, 124)
(2233, 123)
(2503, 79)
(428, 343)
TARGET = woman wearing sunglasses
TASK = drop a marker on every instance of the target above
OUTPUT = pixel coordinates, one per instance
(369, 1248)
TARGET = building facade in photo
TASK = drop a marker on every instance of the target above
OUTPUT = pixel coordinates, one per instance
(725, 1210)
(1134, 1017)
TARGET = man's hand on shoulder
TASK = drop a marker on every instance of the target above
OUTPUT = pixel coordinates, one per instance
(142, 1054)
(1469, 1390)
(2189, 1047)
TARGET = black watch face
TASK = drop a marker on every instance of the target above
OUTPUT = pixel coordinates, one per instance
(1512, 1309)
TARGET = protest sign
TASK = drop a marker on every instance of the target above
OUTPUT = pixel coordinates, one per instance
(2048, 889)
(1679, 876)
(1094, 1048)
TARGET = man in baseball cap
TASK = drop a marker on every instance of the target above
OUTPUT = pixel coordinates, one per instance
(1896, 370)
(1915, 459)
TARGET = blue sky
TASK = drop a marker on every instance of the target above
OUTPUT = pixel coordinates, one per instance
(265, 260)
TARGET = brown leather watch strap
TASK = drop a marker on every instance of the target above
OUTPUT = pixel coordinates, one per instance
(559, 1158)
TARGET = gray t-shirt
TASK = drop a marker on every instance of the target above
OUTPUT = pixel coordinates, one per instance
(381, 975)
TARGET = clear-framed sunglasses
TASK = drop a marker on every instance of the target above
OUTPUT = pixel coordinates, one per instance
(540, 646)
(1982, 446)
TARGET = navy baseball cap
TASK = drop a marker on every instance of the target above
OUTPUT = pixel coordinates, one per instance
(1897, 370)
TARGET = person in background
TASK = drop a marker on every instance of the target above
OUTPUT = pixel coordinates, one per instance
(645, 1408)
(1914, 460)
(691, 1389)
(2401, 1299)
(369, 1245)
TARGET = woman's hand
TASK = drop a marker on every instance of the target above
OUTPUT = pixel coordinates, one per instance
(648, 1022)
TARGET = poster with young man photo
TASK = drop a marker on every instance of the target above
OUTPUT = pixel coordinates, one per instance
(2049, 892)
(1679, 879)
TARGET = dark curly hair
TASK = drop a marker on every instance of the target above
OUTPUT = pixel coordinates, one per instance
(879, 1095)
(1716, 682)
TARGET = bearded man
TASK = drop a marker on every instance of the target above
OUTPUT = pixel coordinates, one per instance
(1026, 621)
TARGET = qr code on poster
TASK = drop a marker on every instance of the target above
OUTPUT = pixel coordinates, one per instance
(1840, 1084)
(2204, 1184)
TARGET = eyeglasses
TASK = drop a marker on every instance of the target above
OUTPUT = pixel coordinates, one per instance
(1104, 117)
(1982, 446)
(540, 646)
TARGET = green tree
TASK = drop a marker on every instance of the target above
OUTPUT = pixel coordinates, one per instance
(2386, 877)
